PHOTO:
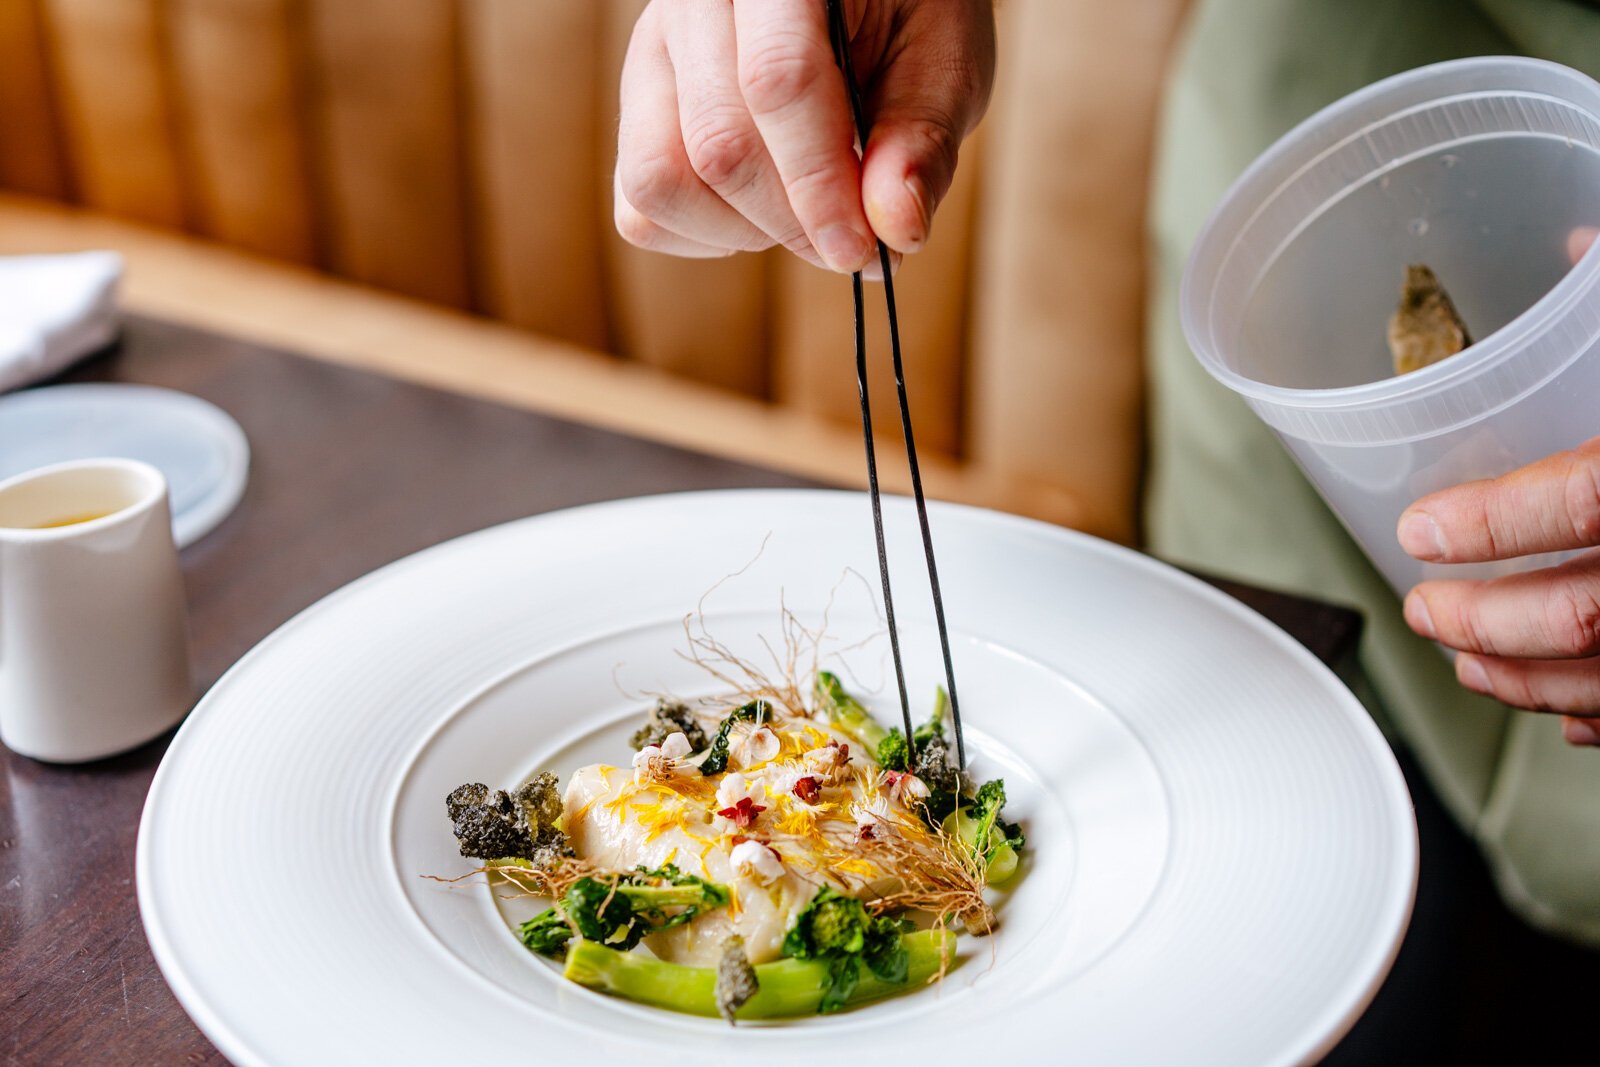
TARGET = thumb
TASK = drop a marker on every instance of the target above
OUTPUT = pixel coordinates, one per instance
(1579, 240)
(928, 97)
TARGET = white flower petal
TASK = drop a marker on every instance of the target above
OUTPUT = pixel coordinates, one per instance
(676, 745)
(756, 860)
(733, 788)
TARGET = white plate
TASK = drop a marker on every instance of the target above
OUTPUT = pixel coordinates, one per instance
(1221, 849)
(196, 445)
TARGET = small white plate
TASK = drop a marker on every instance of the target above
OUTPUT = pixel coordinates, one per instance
(1221, 851)
(196, 445)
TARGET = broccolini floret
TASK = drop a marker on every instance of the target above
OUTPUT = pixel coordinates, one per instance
(978, 825)
(716, 760)
(926, 754)
(894, 752)
(620, 913)
(547, 933)
(837, 930)
(666, 718)
(524, 823)
(601, 913)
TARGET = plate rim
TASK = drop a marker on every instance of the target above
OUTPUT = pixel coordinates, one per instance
(1334, 1023)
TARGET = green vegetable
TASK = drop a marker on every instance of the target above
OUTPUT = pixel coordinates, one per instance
(546, 933)
(934, 727)
(837, 930)
(620, 914)
(716, 760)
(601, 913)
(893, 752)
(788, 988)
(938, 805)
(927, 755)
(932, 760)
(693, 894)
(978, 826)
(847, 713)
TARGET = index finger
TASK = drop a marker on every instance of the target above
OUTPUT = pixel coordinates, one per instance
(1549, 506)
(796, 96)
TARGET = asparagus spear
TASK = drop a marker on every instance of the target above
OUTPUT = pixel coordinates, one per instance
(847, 713)
(788, 987)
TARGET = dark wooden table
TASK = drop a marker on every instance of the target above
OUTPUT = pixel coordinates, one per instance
(351, 471)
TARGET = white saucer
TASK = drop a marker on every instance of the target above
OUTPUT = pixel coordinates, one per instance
(198, 447)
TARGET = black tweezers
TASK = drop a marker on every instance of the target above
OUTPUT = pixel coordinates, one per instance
(840, 36)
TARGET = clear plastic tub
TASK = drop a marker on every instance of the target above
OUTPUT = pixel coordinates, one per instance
(1479, 168)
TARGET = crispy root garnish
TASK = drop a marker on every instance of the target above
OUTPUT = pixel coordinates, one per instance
(933, 873)
(796, 657)
(533, 881)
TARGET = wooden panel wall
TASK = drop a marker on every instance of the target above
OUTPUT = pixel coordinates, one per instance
(537, 134)
(31, 160)
(115, 95)
(461, 152)
(1058, 379)
(240, 108)
(387, 132)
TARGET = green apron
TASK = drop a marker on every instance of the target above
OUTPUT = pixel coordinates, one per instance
(1224, 495)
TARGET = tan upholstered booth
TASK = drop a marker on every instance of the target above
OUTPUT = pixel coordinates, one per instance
(452, 159)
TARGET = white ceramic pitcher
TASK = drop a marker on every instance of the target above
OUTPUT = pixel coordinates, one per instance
(94, 654)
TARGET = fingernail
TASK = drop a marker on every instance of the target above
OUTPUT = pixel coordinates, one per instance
(1420, 536)
(1470, 673)
(919, 197)
(1417, 616)
(1581, 732)
(873, 271)
(843, 249)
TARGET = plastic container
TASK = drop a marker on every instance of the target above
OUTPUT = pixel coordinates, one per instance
(1479, 168)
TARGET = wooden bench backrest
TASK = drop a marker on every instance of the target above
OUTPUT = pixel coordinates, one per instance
(460, 152)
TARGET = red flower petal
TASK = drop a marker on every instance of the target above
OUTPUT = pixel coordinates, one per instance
(743, 813)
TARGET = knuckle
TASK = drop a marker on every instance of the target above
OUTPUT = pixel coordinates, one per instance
(1575, 619)
(652, 184)
(815, 179)
(778, 73)
(1499, 527)
(937, 138)
(965, 72)
(1516, 688)
(1472, 633)
(1581, 495)
(722, 153)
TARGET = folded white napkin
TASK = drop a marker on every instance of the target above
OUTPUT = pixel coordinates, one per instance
(53, 311)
